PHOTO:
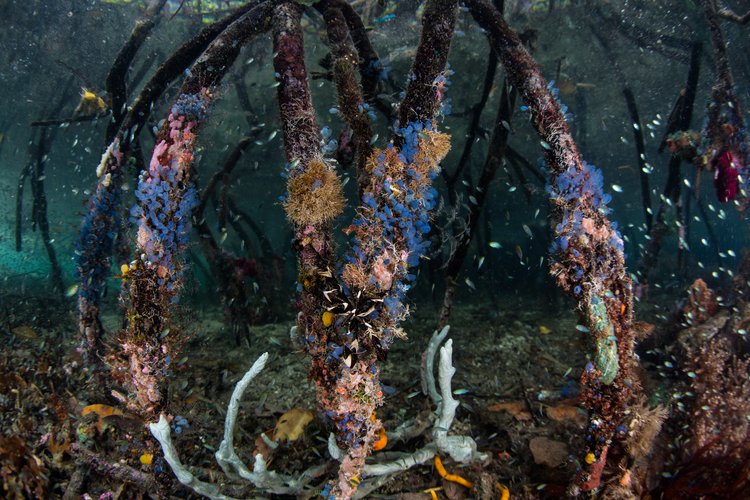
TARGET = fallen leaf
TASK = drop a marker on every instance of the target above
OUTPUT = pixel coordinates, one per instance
(25, 332)
(291, 425)
(564, 413)
(102, 411)
(517, 409)
(548, 452)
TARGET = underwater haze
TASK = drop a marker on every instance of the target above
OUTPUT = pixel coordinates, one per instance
(403, 249)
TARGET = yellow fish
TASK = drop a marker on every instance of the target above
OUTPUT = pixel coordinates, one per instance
(90, 104)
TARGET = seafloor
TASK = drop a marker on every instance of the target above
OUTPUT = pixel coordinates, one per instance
(517, 360)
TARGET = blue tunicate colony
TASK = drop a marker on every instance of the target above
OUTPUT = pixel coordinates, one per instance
(375, 68)
(556, 95)
(179, 424)
(165, 218)
(579, 190)
(96, 240)
(166, 201)
(191, 106)
(403, 212)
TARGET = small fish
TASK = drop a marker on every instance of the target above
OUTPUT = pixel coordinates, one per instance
(481, 261)
(582, 328)
(470, 284)
(275, 341)
(272, 135)
(495, 245)
(519, 252)
(385, 18)
(527, 230)
(473, 200)
(617, 188)
(461, 392)
(72, 290)
(544, 330)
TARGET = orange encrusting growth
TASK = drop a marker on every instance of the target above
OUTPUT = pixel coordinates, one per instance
(382, 439)
(453, 478)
